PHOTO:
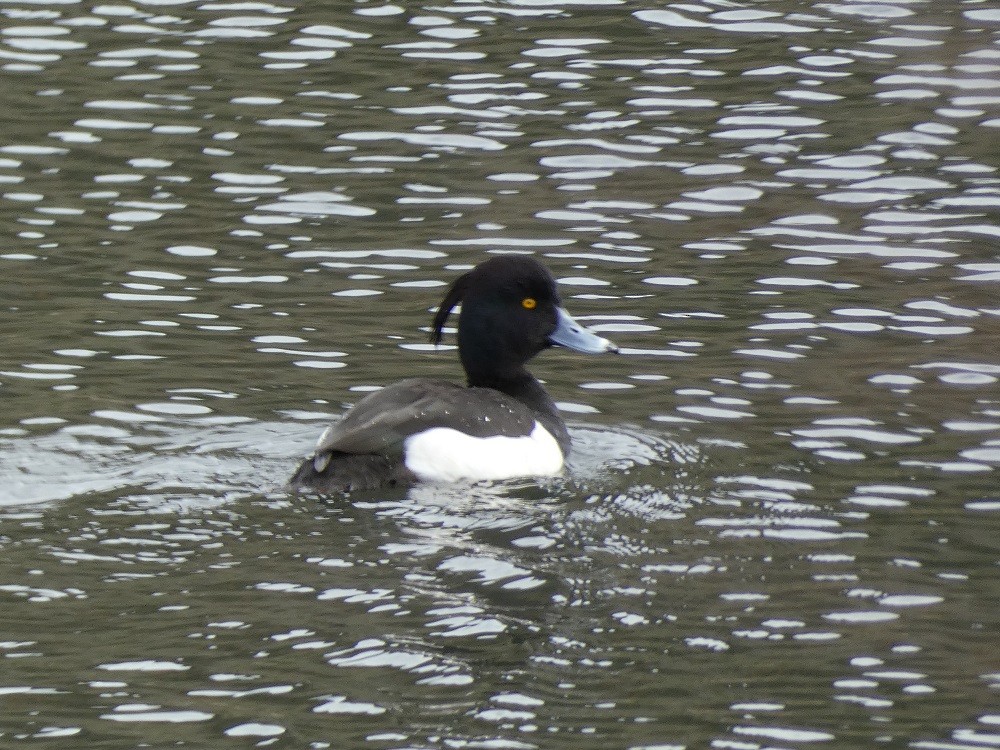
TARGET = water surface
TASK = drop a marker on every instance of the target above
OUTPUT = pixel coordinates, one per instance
(228, 221)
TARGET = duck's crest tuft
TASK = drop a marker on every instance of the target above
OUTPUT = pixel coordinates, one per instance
(454, 296)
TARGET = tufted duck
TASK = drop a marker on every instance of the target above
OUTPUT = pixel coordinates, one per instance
(503, 425)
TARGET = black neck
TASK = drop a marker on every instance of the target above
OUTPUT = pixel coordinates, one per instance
(524, 386)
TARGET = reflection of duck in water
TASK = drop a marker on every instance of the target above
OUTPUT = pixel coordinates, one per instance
(503, 425)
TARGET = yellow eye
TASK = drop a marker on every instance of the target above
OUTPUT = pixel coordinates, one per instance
(529, 303)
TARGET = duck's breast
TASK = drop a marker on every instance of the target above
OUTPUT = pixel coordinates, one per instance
(448, 455)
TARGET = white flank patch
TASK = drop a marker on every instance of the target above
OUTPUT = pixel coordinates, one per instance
(446, 455)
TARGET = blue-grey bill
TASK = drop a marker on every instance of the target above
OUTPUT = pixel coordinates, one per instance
(574, 336)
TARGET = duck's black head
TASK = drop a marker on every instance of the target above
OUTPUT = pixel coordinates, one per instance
(511, 310)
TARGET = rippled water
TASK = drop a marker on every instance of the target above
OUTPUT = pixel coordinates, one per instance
(226, 221)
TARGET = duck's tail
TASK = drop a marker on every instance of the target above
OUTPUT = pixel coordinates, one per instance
(347, 472)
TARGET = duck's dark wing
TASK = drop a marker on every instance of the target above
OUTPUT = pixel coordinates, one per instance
(381, 421)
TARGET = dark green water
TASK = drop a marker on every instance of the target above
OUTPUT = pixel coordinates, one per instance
(224, 222)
